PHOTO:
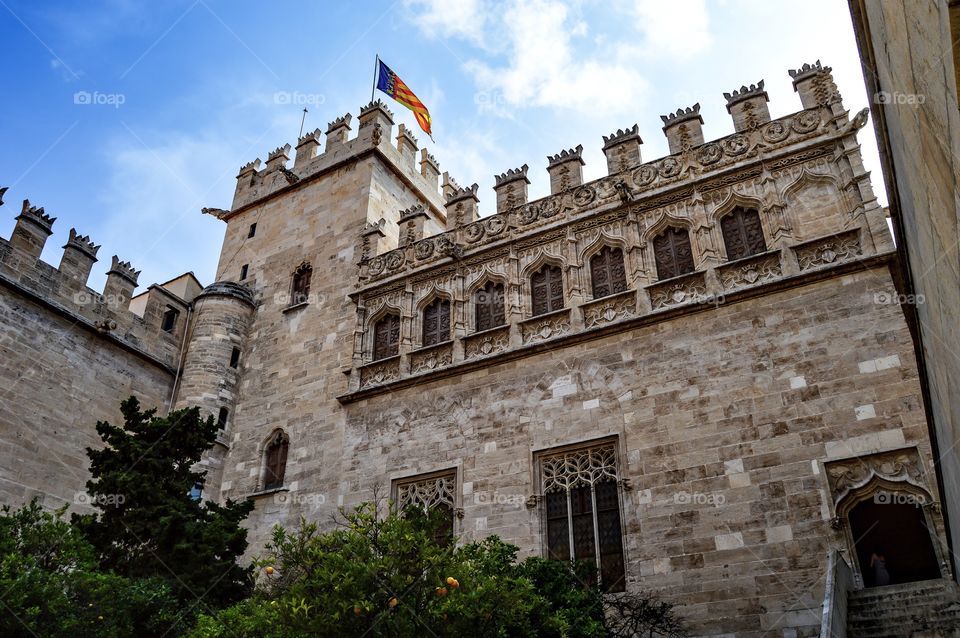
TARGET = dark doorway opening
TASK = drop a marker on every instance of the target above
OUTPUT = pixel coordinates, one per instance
(894, 525)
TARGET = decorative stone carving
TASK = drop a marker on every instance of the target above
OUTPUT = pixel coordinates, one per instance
(609, 309)
(569, 470)
(380, 372)
(750, 271)
(897, 466)
(428, 493)
(736, 145)
(474, 232)
(394, 259)
(828, 250)
(423, 249)
(679, 290)
(644, 175)
(776, 131)
(486, 343)
(583, 196)
(495, 225)
(545, 327)
(669, 167)
(806, 122)
(431, 358)
(709, 154)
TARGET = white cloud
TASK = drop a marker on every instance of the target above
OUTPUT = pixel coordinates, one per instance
(462, 19)
(675, 29)
(546, 68)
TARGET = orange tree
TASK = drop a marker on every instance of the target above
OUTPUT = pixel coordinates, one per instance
(389, 576)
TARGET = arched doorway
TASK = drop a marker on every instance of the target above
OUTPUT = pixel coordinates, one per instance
(889, 519)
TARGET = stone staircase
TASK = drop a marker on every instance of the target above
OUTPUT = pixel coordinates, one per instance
(924, 609)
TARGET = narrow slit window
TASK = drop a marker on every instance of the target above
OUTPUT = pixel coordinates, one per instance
(235, 358)
(169, 322)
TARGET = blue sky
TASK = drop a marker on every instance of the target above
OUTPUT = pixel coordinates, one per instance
(181, 93)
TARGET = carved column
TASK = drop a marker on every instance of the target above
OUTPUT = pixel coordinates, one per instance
(406, 328)
(514, 294)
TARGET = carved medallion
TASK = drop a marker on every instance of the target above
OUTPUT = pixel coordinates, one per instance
(644, 175)
(423, 249)
(376, 266)
(474, 232)
(583, 196)
(806, 122)
(775, 132)
(735, 145)
(495, 225)
(394, 259)
(709, 154)
(669, 167)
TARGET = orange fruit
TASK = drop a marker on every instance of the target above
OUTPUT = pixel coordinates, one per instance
(453, 582)
(357, 610)
(393, 602)
(269, 570)
(441, 591)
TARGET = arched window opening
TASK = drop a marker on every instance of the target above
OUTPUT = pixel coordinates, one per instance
(300, 292)
(386, 337)
(546, 287)
(607, 272)
(436, 322)
(672, 253)
(276, 461)
(742, 233)
(488, 303)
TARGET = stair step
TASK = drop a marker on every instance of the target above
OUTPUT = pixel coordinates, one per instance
(899, 611)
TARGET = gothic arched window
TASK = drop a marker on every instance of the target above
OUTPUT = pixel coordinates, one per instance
(434, 495)
(436, 322)
(276, 460)
(607, 272)
(672, 252)
(742, 233)
(546, 287)
(489, 307)
(582, 499)
(300, 291)
(386, 337)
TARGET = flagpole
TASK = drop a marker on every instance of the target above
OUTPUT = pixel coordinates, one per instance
(376, 68)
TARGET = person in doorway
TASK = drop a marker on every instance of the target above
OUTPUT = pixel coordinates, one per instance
(878, 563)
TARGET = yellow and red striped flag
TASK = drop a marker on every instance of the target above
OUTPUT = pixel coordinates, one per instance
(389, 83)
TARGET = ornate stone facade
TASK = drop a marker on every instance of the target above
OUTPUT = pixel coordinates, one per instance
(719, 402)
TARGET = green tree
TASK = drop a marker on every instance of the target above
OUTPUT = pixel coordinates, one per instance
(388, 576)
(50, 585)
(147, 525)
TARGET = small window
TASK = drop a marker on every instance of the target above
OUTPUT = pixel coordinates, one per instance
(243, 271)
(547, 289)
(276, 460)
(235, 358)
(489, 306)
(169, 319)
(436, 322)
(434, 494)
(582, 499)
(386, 337)
(222, 418)
(252, 232)
(742, 233)
(300, 292)
(672, 252)
(607, 272)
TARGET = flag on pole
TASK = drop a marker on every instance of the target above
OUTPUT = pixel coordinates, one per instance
(389, 83)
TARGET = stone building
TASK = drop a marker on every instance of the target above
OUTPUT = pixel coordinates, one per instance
(685, 370)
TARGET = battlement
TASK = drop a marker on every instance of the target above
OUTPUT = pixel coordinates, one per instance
(797, 180)
(135, 324)
(756, 139)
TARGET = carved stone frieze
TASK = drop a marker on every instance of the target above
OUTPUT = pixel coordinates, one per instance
(829, 250)
(897, 466)
(427, 359)
(545, 327)
(486, 343)
(609, 309)
(679, 290)
(750, 271)
(380, 372)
